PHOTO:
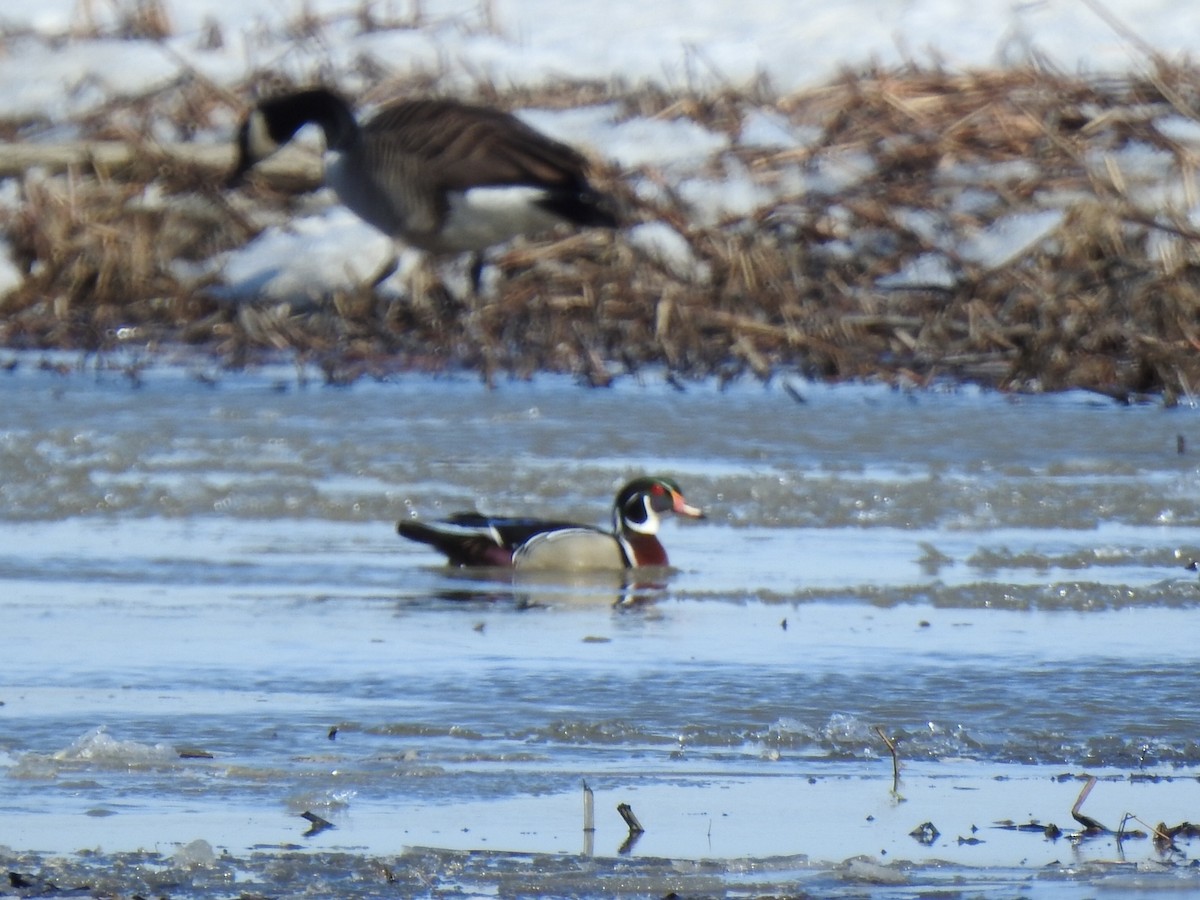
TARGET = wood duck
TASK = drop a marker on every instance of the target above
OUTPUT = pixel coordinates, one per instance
(440, 175)
(474, 539)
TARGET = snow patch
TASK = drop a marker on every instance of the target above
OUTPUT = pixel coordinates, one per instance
(736, 195)
(587, 128)
(47, 81)
(769, 130)
(662, 243)
(1179, 128)
(834, 173)
(308, 259)
(1009, 237)
(10, 276)
(1136, 162)
(927, 271)
(662, 143)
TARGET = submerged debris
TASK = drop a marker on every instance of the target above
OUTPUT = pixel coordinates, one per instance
(626, 811)
(1049, 830)
(1164, 835)
(316, 823)
(925, 833)
(1090, 825)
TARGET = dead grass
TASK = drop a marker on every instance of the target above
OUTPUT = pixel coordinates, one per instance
(1108, 300)
(127, 19)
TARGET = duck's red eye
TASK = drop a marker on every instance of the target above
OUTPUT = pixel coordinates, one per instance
(658, 490)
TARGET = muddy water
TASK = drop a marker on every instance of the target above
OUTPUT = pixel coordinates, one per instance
(210, 628)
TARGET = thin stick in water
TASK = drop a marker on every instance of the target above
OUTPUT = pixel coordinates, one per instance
(589, 809)
(891, 745)
(1089, 824)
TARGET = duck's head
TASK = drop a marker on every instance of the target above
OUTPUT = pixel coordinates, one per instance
(641, 504)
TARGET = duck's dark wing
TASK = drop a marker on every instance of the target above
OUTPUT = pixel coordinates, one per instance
(473, 539)
(462, 543)
(513, 531)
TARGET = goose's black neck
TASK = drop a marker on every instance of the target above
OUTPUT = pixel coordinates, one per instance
(288, 114)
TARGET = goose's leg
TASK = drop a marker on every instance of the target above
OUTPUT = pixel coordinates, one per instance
(473, 320)
(386, 271)
(475, 273)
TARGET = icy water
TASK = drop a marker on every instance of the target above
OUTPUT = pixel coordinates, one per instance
(211, 628)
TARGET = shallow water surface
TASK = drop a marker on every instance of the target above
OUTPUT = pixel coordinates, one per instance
(211, 628)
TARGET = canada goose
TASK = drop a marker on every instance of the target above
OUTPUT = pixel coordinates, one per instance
(473, 539)
(440, 175)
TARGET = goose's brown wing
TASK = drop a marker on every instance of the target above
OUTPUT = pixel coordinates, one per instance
(454, 146)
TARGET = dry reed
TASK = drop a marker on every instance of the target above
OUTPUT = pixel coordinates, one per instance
(823, 278)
